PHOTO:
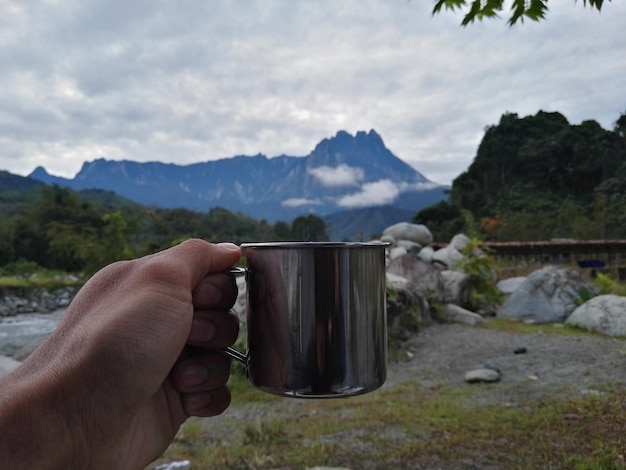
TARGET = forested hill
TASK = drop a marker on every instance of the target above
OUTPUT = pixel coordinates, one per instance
(540, 177)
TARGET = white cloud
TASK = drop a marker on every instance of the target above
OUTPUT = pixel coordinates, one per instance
(341, 175)
(379, 193)
(298, 202)
(221, 78)
(403, 187)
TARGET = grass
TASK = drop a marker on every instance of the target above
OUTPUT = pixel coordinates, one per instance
(22, 285)
(409, 426)
(406, 425)
(519, 327)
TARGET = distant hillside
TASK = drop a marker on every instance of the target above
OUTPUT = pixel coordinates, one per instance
(108, 199)
(364, 224)
(10, 182)
(342, 173)
(15, 192)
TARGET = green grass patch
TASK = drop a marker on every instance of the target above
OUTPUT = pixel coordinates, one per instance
(406, 425)
(49, 283)
(519, 327)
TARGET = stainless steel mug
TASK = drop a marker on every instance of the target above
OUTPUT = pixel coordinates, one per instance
(316, 318)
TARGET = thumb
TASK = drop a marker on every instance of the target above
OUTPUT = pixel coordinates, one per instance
(202, 258)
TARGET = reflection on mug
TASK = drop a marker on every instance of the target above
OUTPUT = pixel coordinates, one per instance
(268, 321)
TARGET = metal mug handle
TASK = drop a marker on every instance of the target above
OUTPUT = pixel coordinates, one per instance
(228, 351)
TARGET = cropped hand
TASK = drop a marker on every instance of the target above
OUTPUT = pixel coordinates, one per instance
(132, 359)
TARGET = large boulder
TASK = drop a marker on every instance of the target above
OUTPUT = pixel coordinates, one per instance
(426, 254)
(447, 257)
(510, 285)
(605, 314)
(456, 287)
(405, 301)
(412, 232)
(546, 296)
(457, 314)
(459, 242)
(424, 278)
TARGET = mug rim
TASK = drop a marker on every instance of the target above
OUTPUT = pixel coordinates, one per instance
(314, 244)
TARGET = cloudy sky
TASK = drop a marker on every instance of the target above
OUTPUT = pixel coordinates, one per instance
(193, 80)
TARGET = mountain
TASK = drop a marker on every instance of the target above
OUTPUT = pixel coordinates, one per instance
(364, 224)
(342, 173)
(10, 182)
(15, 193)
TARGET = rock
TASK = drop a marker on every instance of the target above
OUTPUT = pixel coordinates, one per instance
(396, 252)
(455, 287)
(520, 350)
(409, 246)
(459, 242)
(413, 232)
(456, 314)
(492, 367)
(605, 314)
(510, 285)
(484, 375)
(448, 257)
(177, 465)
(328, 468)
(406, 297)
(36, 300)
(425, 278)
(546, 296)
(426, 254)
(388, 239)
(397, 282)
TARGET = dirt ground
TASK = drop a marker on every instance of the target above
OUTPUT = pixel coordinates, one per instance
(532, 366)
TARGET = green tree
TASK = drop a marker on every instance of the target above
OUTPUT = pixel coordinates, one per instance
(545, 178)
(282, 231)
(42, 232)
(309, 228)
(444, 220)
(473, 10)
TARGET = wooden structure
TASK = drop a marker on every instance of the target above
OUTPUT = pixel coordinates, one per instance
(607, 256)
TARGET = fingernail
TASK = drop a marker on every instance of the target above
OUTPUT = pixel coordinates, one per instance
(228, 246)
(209, 291)
(202, 330)
(198, 401)
(194, 374)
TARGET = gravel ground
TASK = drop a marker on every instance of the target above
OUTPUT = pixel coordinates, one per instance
(440, 355)
(551, 363)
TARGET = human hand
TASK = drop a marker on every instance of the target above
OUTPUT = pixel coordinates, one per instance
(131, 360)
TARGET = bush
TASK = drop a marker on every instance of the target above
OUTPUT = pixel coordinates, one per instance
(21, 268)
(482, 268)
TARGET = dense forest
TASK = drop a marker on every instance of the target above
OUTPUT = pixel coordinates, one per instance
(59, 229)
(539, 178)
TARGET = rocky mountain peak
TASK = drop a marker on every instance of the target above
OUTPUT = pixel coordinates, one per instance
(345, 171)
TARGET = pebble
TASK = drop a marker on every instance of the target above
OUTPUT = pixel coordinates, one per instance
(482, 375)
(177, 465)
